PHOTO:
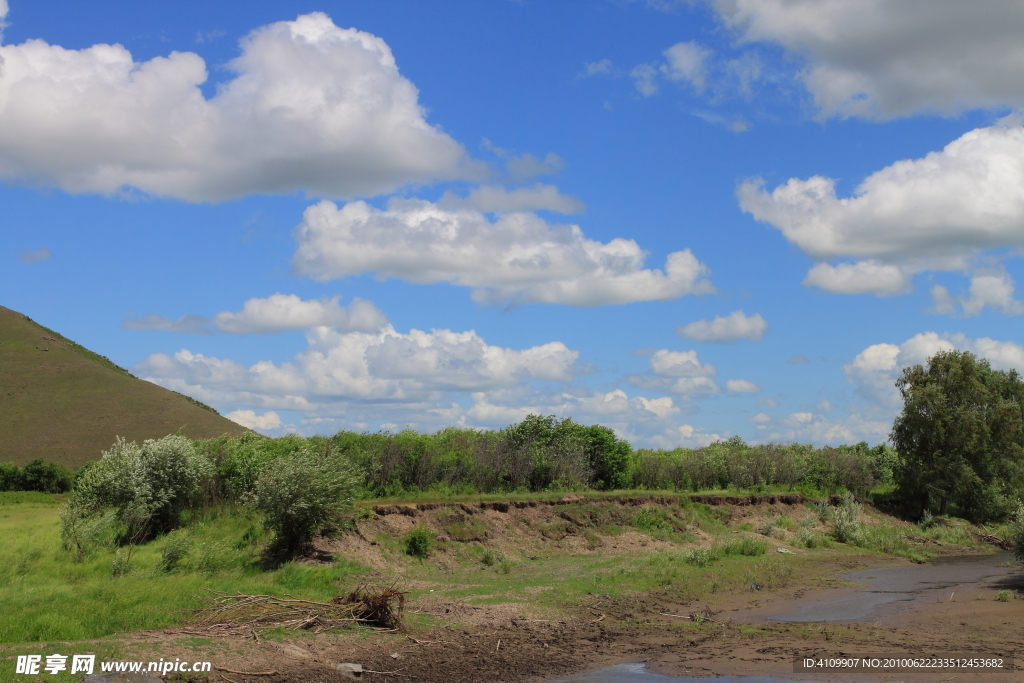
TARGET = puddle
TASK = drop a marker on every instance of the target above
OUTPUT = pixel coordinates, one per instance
(903, 585)
(638, 673)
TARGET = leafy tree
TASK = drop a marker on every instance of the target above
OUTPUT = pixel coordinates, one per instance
(12, 477)
(609, 458)
(47, 477)
(960, 437)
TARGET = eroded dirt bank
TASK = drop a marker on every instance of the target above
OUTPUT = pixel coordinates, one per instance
(469, 622)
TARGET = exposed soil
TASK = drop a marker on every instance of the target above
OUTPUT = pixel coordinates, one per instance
(496, 643)
(513, 642)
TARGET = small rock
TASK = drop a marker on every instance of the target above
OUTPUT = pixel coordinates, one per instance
(295, 651)
(395, 655)
(350, 670)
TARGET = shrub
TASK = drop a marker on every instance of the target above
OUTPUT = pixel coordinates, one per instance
(141, 489)
(1003, 596)
(419, 541)
(651, 520)
(301, 495)
(846, 521)
(809, 539)
(1017, 532)
(701, 557)
(750, 547)
(175, 549)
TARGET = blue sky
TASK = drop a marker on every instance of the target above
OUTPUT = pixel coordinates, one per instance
(685, 220)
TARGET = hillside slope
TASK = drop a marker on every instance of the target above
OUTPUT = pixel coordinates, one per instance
(64, 403)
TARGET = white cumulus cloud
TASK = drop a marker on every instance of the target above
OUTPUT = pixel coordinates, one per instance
(311, 107)
(726, 329)
(247, 418)
(382, 366)
(992, 289)
(862, 277)
(678, 372)
(938, 212)
(687, 61)
(741, 386)
(276, 313)
(888, 58)
(517, 257)
(281, 312)
(875, 369)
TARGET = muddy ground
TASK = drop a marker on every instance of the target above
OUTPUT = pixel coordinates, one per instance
(484, 644)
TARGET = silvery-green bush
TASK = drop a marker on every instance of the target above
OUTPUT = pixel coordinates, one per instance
(146, 488)
(847, 526)
(302, 494)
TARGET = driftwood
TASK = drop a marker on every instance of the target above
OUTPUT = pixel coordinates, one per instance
(241, 614)
(993, 540)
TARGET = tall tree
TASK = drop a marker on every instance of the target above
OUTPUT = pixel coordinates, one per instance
(960, 436)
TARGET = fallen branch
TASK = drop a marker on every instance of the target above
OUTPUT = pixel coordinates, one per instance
(994, 540)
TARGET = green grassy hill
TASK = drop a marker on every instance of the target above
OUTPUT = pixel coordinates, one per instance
(64, 403)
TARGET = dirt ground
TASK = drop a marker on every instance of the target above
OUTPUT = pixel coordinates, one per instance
(497, 643)
(506, 642)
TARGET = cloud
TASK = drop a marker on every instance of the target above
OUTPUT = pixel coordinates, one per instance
(429, 380)
(247, 418)
(687, 62)
(761, 418)
(798, 359)
(518, 257)
(678, 372)
(994, 289)
(527, 166)
(680, 364)
(684, 62)
(875, 370)
(862, 277)
(281, 312)
(496, 199)
(277, 313)
(726, 329)
(599, 68)
(382, 366)
(186, 324)
(35, 255)
(807, 427)
(741, 386)
(887, 58)
(645, 79)
(311, 107)
(938, 212)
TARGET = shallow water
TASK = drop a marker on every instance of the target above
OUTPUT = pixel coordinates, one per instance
(903, 584)
(638, 673)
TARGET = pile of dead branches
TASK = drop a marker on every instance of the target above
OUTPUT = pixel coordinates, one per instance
(242, 614)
